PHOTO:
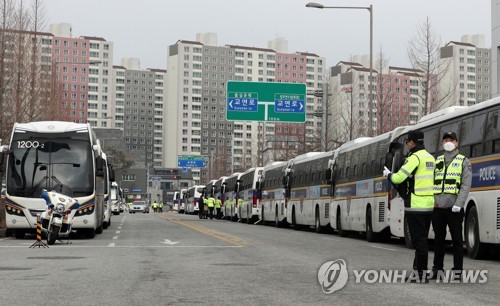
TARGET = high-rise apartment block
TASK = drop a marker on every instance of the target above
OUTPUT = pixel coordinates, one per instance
(465, 69)
(198, 72)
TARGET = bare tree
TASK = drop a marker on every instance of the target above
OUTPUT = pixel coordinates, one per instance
(387, 95)
(424, 54)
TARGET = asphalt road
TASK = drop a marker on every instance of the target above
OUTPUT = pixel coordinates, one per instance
(163, 259)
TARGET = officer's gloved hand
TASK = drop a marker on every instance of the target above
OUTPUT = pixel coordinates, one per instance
(386, 171)
(456, 208)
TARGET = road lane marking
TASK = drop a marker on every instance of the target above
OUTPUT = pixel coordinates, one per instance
(209, 232)
(117, 232)
(111, 244)
(119, 227)
(379, 247)
(115, 237)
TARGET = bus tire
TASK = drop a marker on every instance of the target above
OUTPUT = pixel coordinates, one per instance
(19, 233)
(317, 222)
(52, 236)
(277, 223)
(99, 229)
(342, 233)
(105, 225)
(90, 233)
(408, 242)
(370, 235)
(475, 248)
(294, 220)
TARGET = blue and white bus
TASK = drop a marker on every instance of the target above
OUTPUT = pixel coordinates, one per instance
(478, 131)
(43, 155)
(307, 190)
(220, 191)
(232, 187)
(194, 193)
(249, 195)
(272, 191)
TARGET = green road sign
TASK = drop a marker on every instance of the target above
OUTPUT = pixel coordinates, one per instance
(265, 101)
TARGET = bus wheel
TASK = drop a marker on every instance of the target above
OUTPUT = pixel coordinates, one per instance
(342, 233)
(317, 222)
(370, 236)
(105, 225)
(277, 223)
(409, 243)
(19, 233)
(99, 229)
(294, 220)
(475, 249)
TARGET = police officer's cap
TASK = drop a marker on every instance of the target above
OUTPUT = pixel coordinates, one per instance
(451, 135)
(416, 136)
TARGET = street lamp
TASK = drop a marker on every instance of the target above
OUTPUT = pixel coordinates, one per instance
(370, 9)
(324, 113)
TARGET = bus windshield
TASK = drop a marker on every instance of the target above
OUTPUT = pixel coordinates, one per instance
(41, 161)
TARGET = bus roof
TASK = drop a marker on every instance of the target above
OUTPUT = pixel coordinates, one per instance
(51, 126)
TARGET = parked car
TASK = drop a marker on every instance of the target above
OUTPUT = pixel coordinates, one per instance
(139, 206)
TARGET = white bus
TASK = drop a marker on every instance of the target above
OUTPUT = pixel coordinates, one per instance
(249, 195)
(272, 200)
(182, 201)
(176, 200)
(194, 193)
(108, 178)
(43, 155)
(116, 198)
(220, 191)
(360, 192)
(307, 190)
(232, 186)
(210, 188)
(478, 130)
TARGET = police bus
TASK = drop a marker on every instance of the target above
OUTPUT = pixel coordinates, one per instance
(43, 155)
(478, 131)
(182, 201)
(194, 193)
(210, 188)
(360, 192)
(108, 178)
(176, 200)
(307, 190)
(232, 186)
(116, 198)
(220, 191)
(249, 194)
(272, 202)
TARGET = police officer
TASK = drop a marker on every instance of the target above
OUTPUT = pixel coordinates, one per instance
(452, 183)
(155, 206)
(218, 204)
(201, 205)
(210, 205)
(417, 174)
(160, 207)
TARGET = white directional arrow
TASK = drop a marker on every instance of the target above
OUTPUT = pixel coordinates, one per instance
(231, 104)
(169, 242)
(301, 106)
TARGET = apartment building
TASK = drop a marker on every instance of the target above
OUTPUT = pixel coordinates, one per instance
(466, 71)
(196, 102)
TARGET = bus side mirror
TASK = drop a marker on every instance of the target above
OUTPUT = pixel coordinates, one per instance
(328, 176)
(257, 185)
(1, 160)
(388, 160)
(99, 166)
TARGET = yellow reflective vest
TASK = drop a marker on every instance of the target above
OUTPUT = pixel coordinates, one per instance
(418, 169)
(218, 203)
(447, 179)
(210, 202)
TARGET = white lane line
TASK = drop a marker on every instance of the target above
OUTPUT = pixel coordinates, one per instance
(119, 227)
(379, 247)
(130, 246)
(111, 244)
(115, 237)
(117, 232)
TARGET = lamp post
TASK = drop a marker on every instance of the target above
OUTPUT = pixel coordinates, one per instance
(323, 113)
(370, 9)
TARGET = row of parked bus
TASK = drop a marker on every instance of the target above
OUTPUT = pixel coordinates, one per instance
(344, 189)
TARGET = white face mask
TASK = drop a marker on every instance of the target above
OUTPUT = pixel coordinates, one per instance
(449, 146)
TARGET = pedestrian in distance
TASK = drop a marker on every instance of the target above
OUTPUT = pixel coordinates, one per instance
(452, 183)
(417, 177)
(160, 207)
(218, 207)
(155, 206)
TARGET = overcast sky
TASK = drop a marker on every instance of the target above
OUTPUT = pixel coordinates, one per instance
(145, 28)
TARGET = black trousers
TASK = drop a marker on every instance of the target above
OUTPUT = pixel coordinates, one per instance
(219, 212)
(419, 225)
(440, 219)
(201, 212)
(211, 212)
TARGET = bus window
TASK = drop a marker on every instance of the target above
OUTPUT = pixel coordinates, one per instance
(471, 143)
(492, 135)
(432, 139)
